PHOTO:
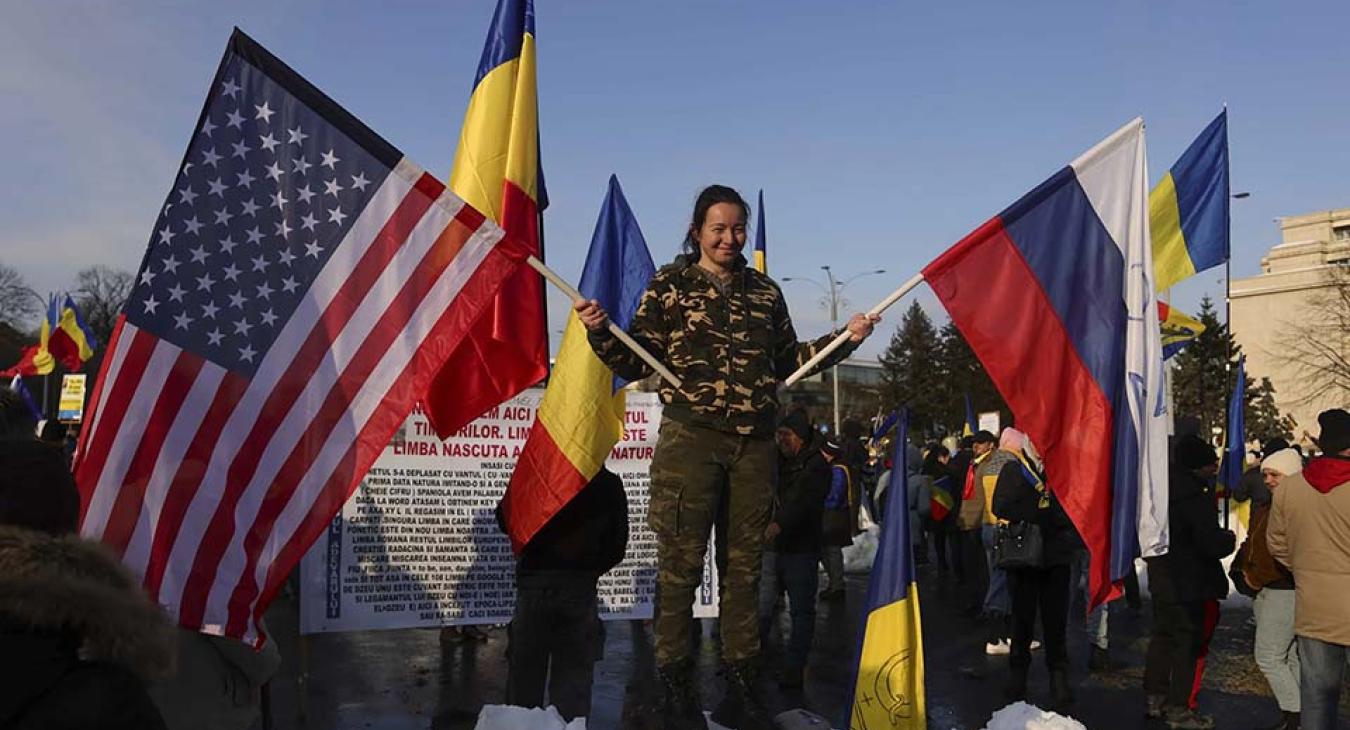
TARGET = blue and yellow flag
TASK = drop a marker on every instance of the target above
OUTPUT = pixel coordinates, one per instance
(1188, 210)
(1177, 328)
(888, 686)
(761, 253)
(971, 424)
(1235, 436)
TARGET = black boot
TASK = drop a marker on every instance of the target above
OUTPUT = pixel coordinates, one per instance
(1061, 695)
(680, 706)
(741, 706)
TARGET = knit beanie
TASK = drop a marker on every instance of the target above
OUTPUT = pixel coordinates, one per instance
(1193, 453)
(1286, 462)
(1335, 436)
(798, 423)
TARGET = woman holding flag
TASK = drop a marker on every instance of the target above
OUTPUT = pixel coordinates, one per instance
(723, 328)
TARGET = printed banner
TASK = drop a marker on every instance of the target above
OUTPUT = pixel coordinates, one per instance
(417, 545)
(70, 408)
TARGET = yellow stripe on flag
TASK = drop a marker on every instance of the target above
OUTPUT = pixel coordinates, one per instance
(1171, 261)
(581, 414)
(498, 141)
(889, 693)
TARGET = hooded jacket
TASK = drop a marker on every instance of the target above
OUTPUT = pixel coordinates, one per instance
(730, 344)
(1190, 571)
(803, 480)
(78, 637)
(1309, 531)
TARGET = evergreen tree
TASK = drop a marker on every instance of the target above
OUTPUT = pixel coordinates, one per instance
(1263, 420)
(1202, 380)
(964, 374)
(912, 372)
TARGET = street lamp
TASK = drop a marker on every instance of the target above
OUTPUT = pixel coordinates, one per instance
(833, 296)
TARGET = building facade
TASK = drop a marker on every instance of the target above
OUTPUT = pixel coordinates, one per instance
(1270, 308)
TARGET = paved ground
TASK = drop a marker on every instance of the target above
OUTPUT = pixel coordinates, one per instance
(409, 679)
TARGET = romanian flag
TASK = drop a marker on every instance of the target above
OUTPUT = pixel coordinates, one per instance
(1235, 450)
(971, 424)
(71, 342)
(888, 690)
(497, 171)
(1178, 329)
(943, 501)
(1075, 348)
(581, 416)
(761, 262)
(1188, 210)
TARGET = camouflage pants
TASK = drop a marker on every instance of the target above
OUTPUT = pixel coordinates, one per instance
(691, 470)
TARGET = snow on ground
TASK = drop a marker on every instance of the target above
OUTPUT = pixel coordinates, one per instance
(1021, 716)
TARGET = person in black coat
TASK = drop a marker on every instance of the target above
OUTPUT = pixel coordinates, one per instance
(78, 636)
(555, 633)
(1187, 584)
(1022, 496)
(795, 540)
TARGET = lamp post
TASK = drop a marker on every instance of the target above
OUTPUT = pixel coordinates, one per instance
(833, 297)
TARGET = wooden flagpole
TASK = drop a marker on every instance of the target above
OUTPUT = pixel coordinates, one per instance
(844, 336)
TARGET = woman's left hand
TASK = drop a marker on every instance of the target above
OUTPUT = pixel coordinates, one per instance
(860, 326)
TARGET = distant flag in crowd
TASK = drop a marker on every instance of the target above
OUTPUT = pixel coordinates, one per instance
(971, 425)
(888, 686)
(496, 170)
(1075, 348)
(582, 413)
(262, 364)
(71, 342)
(33, 360)
(761, 251)
(1178, 329)
(887, 424)
(1188, 210)
(1235, 449)
(943, 499)
(17, 385)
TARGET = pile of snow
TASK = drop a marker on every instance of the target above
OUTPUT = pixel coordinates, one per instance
(858, 557)
(1021, 716)
(507, 717)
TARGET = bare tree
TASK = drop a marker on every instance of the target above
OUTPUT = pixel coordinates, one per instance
(17, 302)
(100, 292)
(1319, 342)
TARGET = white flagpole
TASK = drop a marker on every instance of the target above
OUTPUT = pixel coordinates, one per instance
(843, 337)
(614, 329)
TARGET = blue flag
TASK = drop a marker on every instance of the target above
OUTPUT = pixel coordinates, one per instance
(761, 253)
(1235, 450)
(26, 395)
(971, 424)
(888, 687)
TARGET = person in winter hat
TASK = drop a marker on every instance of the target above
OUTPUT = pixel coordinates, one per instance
(1187, 584)
(78, 636)
(1309, 532)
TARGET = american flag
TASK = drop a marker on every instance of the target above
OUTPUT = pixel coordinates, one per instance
(303, 283)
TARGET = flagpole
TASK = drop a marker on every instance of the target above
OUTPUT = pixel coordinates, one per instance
(614, 329)
(844, 336)
(1227, 362)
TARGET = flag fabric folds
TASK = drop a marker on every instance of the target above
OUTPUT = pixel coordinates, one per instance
(943, 499)
(1178, 329)
(888, 685)
(1235, 435)
(71, 342)
(17, 385)
(761, 252)
(496, 170)
(971, 425)
(1188, 209)
(1074, 346)
(582, 414)
(302, 285)
(886, 424)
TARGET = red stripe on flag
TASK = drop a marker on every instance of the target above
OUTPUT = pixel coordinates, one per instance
(191, 470)
(1001, 309)
(507, 350)
(543, 482)
(466, 308)
(92, 412)
(125, 380)
(127, 507)
(308, 358)
(335, 409)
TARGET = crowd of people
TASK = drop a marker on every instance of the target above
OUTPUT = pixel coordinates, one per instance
(785, 499)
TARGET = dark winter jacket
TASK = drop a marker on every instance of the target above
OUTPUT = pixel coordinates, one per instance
(589, 534)
(1252, 486)
(803, 482)
(78, 637)
(1191, 571)
(730, 343)
(1016, 499)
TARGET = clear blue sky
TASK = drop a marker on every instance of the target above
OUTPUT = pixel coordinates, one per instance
(881, 133)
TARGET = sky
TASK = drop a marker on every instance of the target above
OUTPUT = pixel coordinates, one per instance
(881, 133)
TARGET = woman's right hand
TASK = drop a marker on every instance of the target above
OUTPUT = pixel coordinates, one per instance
(591, 314)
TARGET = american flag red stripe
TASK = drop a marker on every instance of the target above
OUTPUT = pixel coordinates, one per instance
(97, 394)
(130, 360)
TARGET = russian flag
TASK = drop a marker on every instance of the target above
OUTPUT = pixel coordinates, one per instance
(1055, 295)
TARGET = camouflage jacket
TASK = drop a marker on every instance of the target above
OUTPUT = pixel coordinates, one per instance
(730, 344)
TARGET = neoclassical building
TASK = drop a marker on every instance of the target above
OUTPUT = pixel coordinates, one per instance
(1270, 307)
